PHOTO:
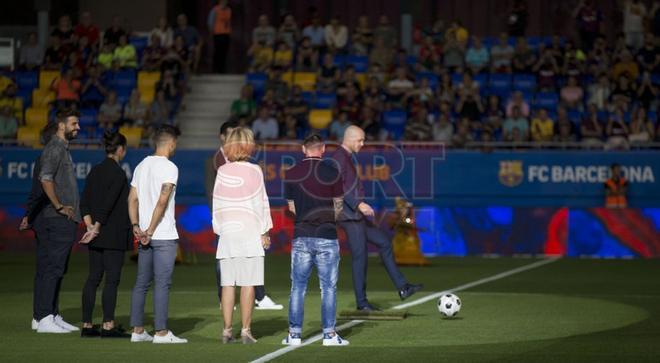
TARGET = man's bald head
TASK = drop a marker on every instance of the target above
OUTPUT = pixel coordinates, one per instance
(353, 139)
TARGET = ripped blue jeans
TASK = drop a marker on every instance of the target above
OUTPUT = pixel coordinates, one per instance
(307, 252)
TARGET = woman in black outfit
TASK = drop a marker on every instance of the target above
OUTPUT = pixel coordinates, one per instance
(104, 208)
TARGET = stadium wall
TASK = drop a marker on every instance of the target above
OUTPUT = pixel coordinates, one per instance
(536, 202)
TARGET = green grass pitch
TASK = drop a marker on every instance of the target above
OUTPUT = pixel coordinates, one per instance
(569, 310)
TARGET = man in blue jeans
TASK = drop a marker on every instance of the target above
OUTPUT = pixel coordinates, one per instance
(151, 210)
(314, 192)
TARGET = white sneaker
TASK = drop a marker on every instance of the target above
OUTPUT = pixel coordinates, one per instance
(142, 337)
(35, 324)
(48, 325)
(59, 320)
(334, 340)
(292, 339)
(267, 304)
(169, 339)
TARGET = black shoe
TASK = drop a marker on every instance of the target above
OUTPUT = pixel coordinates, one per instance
(409, 289)
(89, 333)
(368, 307)
(114, 333)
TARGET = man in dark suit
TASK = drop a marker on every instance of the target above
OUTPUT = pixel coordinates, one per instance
(211, 165)
(104, 206)
(359, 230)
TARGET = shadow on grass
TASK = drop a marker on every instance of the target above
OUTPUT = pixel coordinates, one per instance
(183, 325)
(277, 325)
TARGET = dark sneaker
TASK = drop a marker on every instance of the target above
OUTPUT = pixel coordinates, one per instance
(89, 333)
(409, 290)
(368, 307)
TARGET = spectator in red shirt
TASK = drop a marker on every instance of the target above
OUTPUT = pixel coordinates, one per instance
(430, 53)
(67, 89)
(589, 19)
(87, 29)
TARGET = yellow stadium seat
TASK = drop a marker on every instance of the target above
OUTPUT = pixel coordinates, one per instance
(41, 98)
(362, 79)
(133, 135)
(287, 77)
(46, 78)
(28, 136)
(36, 117)
(147, 95)
(306, 80)
(320, 119)
(148, 79)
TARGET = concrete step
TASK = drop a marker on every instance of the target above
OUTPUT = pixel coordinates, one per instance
(218, 77)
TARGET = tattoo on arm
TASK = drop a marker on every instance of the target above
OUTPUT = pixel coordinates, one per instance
(166, 190)
(338, 204)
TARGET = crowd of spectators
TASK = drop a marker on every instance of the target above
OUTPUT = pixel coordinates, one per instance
(98, 72)
(459, 88)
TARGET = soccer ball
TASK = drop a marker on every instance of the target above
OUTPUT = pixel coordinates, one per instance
(449, 305)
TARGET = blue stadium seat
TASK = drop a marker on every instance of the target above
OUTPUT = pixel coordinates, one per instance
(481, 79)
(125, 80)
(547, 100)
(360, 62)
(432, 77)
(627, 116)
(27, 80)
(655, 78)
(140, 43)
(394, 122)
(575, 116)
(411, 60)
(25, 95)
(339, 61)
(308, 97)
(489, 42)
(456, 78)
(603, 116)
(534, 42)
(524, 82)
(499, 82)
(325, 100)
(88, 117)
(257, 81)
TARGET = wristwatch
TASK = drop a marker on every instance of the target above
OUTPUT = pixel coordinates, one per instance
(60, 208)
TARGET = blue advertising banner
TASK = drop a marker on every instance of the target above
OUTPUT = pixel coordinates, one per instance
(422, 173)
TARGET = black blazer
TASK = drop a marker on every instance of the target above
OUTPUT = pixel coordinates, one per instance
(105, 199)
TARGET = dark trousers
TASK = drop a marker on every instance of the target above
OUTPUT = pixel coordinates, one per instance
(358, 234)
(55, 237)
(220, 50)
(102, 262)
(259, 291)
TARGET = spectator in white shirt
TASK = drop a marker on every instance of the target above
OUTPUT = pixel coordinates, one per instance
(264, 32)
(31, 54)
(336, 35)
(265, 127)
(163, 31)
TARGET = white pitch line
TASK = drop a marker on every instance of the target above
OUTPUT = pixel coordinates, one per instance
(270, 356)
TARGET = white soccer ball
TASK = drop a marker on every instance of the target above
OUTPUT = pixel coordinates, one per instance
(449, 305)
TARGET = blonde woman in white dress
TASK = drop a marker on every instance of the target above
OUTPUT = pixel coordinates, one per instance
(241, 219)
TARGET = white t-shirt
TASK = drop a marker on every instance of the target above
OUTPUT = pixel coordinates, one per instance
(148, 178)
